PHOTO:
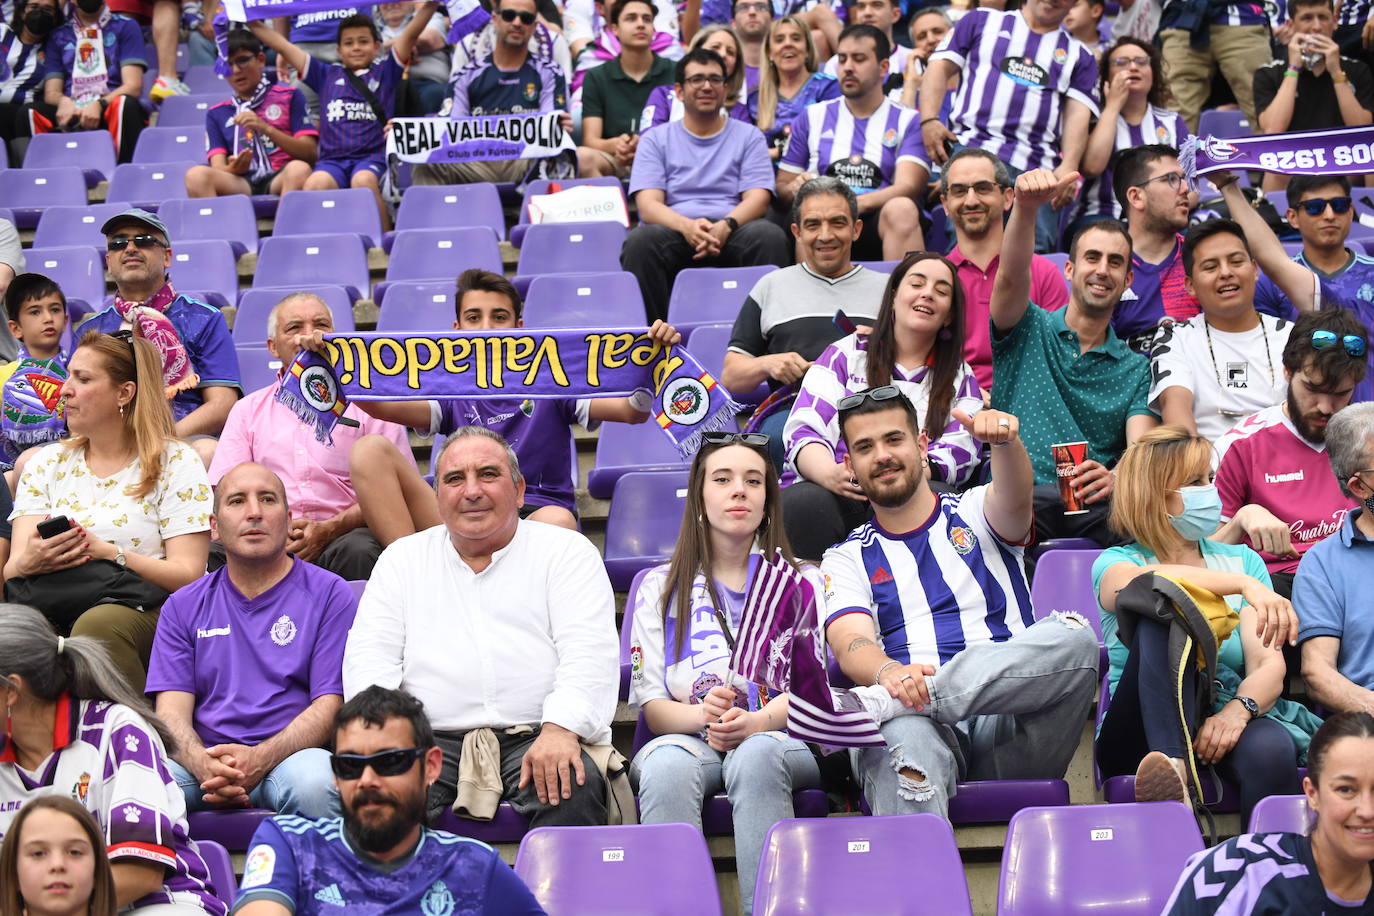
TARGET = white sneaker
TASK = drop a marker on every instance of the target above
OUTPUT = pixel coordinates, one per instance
(880, 704)
(163, 87)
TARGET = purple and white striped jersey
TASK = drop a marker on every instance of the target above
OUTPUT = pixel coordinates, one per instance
(949, 584)
(862, 152)
(1354, 12)
(1015, 85)
(109, 759)
(1160, 125)
(842, 369)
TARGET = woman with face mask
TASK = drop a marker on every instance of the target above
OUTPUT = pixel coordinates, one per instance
(1166, 502)
(22, 59)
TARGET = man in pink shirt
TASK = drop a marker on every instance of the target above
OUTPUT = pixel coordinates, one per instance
(327, 527)
(1277, 491)
(976, 190)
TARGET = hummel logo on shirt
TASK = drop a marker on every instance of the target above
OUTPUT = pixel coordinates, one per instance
(1292, 476)
(880, 577)
(330, 895)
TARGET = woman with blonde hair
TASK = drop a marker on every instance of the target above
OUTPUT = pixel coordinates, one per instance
(53, 862)
(123, 505)
(1166, 502)
(788, 82)
(664, 105)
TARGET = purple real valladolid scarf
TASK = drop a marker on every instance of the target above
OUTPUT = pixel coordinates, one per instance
(1342, 151)
(508, 364)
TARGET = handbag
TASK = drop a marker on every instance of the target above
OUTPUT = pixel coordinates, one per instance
(65, 595)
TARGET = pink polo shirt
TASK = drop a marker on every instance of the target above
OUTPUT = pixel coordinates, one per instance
(1049, 290)
(315, 473)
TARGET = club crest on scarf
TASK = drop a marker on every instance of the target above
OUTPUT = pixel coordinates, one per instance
(31, 407)
(1343, 151)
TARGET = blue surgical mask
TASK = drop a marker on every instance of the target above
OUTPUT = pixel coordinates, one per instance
(1201, 512)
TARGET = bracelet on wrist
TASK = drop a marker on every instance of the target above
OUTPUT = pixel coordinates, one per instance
(1290, 72)
(878, 675)
(926, 121)
(1339, 78)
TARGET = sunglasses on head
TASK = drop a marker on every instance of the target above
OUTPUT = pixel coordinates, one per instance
(1316, 206)
(1353, 344)
(881, 393)
(525, 16)
(721, 437)
(383, 763)
(143, 240)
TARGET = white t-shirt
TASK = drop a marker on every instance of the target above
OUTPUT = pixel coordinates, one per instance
(57, 481)
(1241, 374)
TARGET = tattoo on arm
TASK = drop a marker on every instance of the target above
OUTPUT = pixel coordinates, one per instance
(859, 643)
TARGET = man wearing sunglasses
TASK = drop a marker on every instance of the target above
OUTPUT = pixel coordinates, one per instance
(1277, 492)
(380, 857)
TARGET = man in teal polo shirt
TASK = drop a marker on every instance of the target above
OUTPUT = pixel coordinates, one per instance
(1066, 374)
(614, 94)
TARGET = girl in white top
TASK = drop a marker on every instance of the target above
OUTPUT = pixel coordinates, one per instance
(135, 494)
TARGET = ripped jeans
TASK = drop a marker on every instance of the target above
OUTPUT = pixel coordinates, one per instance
(1010, 710)
(677, 773)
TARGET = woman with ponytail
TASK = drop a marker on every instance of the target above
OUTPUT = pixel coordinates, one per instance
(134, 495)
(74, 727)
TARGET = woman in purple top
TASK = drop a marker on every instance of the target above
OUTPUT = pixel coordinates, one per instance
(664, 105)
(1134, 112)
(788, 82)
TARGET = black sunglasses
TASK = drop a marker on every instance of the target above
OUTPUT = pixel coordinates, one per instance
(881, 393)
(525, 16)
(721, 437)
(1316, 206)
(383, 763)
(1354, 344)
(119, 243)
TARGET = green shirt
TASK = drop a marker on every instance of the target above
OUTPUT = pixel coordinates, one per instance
(609, 94)
(1060, 395)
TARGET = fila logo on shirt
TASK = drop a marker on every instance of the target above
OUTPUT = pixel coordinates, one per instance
(1237, 375)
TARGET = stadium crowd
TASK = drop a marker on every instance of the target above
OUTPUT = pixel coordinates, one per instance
(991, 318)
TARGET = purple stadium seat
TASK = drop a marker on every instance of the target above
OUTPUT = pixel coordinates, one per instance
(172, 144)
(1081, 859)
(990, 801)
(881, 267)
(602, 300)
(232, 829)
(206, 264)
(644, 869)
(938, 236)
(4, 156)
(346, 210)
(867, 867)
(230, 218)
(625, 447)
(711, 295)
(67, 226)
(6, 213)
(450, 207)
(541, 186)
(418, 305)
(147, 185)
(256, 367)
(642, 526)
(570, 248)
(1220, 796)
(506, 826)
(1293, 248)
(250, 321)
(92, 151)
(1281, 814)
(1223, 124)
(27, 192)
(79, 270)
(708, 344)
(187, 110)
(205, 80)
(221, 868)
(438, 254)
(1064, 582)
(302, 262)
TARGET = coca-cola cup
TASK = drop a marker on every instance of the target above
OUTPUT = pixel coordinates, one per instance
(1067, 457)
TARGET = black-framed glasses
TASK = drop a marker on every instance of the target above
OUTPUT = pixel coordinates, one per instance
(1353, 343)
(1316, 206)
(699, 79)
(1175, 180)
(724, 437)
(383, 763)
(881, 393)
(1141, 61)
(243, 60)
(525, 16)
(143, 240)
(981, 188)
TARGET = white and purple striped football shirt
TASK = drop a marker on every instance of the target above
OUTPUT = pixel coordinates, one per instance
(1015, 84)
(1160, 125)
(862, 152)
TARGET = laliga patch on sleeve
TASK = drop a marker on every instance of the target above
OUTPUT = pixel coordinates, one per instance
(257, 870)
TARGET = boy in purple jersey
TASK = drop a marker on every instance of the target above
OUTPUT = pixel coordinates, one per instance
(357, 99)
(261, 141)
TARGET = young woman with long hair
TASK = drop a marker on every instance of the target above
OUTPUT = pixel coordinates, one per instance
(788, 82)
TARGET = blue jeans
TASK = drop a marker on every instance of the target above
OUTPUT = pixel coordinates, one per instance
(677, 773)
(301, 784)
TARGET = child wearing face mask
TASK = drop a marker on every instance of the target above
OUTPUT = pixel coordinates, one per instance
(22, 64)
(1166, 502)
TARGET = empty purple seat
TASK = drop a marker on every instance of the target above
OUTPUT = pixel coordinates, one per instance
(1081, 859)
(861, 865)
(230, 218)
(221, 869)
(417, 305)
(250, 321)
(602, 300)
(571, 248)
(206, 264)
(438, 254)
(451, 206)
(625, 447)
(996, 801)
(644, 869)
(79, 270)
(711, 295)
(147, 184)
(232, 829)
(1223, 124)
(708, 343)
(204, 79)
(642, 526)
(257, 367)
(187, 110)
(1064, 582)
(345, 210)
(28, 192)
(302, 262)
(1281, 814)
(172, 144)
(92, 151)
(506, 826)
(542, 186)
(67, 226)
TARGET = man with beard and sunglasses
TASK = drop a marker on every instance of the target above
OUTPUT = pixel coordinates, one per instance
(1277, 492)
(930, 601)
(379, 855)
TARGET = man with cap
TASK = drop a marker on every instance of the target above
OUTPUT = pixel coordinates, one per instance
(199, 364)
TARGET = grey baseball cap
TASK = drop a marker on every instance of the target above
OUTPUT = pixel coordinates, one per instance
(138, 217)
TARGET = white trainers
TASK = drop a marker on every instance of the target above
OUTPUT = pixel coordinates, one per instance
(879, 703)
(163, 87)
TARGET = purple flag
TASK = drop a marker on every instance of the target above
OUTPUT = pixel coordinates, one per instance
(1342, 151)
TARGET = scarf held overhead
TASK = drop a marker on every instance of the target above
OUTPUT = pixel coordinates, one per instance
(1316, 152)
(519, 363)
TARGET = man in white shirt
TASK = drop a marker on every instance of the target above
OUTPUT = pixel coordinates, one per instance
(505, 630)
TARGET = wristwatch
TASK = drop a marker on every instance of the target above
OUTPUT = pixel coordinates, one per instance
(732, 223)
(1250, 706)
(119, 557)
